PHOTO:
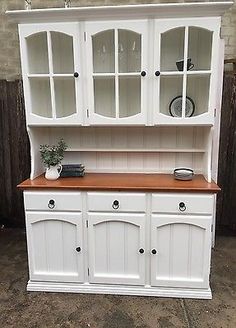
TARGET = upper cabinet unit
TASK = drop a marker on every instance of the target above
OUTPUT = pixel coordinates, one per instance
(133, 69)
(185, 63)
(51, 65)
(117, 72)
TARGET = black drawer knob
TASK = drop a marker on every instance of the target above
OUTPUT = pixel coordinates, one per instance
(182, 206)
(141, 250)
(78, 249)
(116, 204)
(51, 204)
(76, 74)
(157, 73)
(143, 73)
(154, 251)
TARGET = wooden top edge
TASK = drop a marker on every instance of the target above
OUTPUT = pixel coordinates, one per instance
(125, 182)
(162, 10)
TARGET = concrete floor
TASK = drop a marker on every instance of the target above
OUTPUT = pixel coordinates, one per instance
(21, 309)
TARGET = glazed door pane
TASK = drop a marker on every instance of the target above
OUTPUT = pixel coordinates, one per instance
(200, 48)
(62, 53)
(37, 51)
(104, 52)
(172, 49)
(129, 51)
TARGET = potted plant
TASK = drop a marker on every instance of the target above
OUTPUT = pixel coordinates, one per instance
(51, 157)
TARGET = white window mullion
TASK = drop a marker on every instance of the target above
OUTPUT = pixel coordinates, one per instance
(116, 73)
(50, 58)
(184, 93)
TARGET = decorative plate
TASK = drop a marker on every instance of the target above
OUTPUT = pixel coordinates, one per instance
(175, 107)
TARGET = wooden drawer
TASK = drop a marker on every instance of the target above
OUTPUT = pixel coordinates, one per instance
(182, 203)
(116, 202)
(53, 201)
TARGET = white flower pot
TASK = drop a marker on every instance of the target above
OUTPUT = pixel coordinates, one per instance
(53, 172)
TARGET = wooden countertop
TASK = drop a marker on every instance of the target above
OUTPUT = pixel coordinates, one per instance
(123, 182)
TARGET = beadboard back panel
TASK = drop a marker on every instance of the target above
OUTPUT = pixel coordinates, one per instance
(130, 149)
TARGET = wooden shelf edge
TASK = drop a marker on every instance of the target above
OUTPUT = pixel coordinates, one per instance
(123, 182)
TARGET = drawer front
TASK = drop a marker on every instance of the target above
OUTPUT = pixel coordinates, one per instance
(116, 202)
(182, 203)
(53, 201)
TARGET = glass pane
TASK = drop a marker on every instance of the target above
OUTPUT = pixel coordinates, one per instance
(171, 95)
(198, 91)
(104, 52)
(104, 96)
(65, 97)
(62, 53)
(130, 96)
(200, 48)
(41, 97)
(129, 47)
(38, 53)
(172, 49)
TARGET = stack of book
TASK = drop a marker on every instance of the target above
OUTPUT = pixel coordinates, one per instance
(72, 170)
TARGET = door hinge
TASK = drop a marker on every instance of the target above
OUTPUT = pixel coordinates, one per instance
(87, 111)
(87, 223)
(88, 271)
(215, 112)
(212, 228)
(85, 36)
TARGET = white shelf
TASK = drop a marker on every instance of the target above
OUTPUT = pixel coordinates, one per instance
(136, 150)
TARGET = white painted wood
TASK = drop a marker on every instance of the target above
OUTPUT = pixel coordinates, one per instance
(128, 202)
(43, 93)
(114, 243)
(168, 86)
(52, 242)
(195, 203)
(216, 130)
(183, 245)
(110, 93)
(120, 290)
(141, 11)
(64, 201)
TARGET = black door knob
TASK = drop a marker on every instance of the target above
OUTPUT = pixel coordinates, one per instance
(143, 73)
(141, 250)
(78, 249)
(116, 204)
(182, 206)
(157, 73)
(154, 251)
(76, 74)
(51, 203)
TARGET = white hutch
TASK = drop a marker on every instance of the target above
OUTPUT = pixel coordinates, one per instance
(135, 91)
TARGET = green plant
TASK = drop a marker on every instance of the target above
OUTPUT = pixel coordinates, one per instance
(53, 155)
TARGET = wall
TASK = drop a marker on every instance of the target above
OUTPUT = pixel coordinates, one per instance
(9, 45)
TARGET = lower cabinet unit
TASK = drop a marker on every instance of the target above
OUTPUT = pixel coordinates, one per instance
(55, 246)
(181, 247)
(116, 248)
(104, 246)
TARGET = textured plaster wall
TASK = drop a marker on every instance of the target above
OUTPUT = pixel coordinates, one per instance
(9, 44)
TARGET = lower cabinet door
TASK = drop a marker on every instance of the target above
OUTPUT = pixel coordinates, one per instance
(180, 251)
(116, 248)
(55, 246)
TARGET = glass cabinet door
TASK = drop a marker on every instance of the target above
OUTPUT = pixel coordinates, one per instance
(51, 66)
(118, 72)
(184, 69)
